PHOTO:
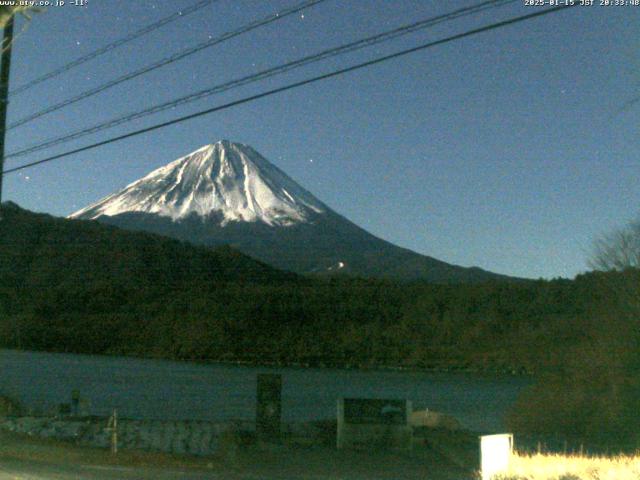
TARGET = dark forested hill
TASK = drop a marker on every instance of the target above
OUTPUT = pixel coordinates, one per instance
(70, 285)
(39, 249)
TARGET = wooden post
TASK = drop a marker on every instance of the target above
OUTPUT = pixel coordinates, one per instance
(269, 407)
(114, 434)
(112, 427)
(5, 68)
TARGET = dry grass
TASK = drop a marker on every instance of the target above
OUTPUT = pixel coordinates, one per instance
(573, 467)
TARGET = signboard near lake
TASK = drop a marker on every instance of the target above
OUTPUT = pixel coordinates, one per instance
(371, 423)
(372, 411)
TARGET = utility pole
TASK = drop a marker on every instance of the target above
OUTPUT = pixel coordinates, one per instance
(5, 66)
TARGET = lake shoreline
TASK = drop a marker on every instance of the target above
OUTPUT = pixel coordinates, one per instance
(452, 368)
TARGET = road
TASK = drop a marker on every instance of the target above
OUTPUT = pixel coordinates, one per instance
(14, 469)
(18, 469)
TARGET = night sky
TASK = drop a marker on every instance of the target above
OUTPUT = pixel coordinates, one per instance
(510, 150)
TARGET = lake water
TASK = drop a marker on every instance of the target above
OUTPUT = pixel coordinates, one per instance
(161, 389)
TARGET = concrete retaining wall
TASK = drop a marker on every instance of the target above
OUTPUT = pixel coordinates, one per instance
(179, 437)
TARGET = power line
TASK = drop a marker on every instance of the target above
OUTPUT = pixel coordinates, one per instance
(111, 46)
(301, 83)
(270, 72)
(168, 60)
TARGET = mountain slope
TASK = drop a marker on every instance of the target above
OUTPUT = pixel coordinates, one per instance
(227, 193)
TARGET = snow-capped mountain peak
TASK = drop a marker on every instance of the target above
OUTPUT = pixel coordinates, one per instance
(225, 178)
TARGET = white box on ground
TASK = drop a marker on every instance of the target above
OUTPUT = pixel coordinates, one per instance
(495, 454)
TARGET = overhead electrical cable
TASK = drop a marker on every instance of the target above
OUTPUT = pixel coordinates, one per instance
(270, 72)
(294, 85)
(168, 60)
(112, 46)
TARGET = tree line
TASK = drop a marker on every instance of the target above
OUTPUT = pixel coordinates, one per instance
(84, 287)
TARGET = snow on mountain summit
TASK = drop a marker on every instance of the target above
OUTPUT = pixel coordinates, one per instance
(226, 178)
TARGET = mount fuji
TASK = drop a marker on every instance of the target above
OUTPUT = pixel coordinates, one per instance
(227, 193)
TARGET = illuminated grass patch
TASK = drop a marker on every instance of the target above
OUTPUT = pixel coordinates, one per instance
(572, 467)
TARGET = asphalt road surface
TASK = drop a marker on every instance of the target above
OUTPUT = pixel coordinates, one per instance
(17, 469)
